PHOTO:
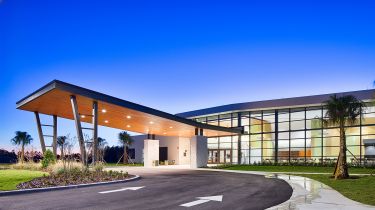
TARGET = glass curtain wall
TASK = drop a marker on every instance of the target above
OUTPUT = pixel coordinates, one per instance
(290, 135)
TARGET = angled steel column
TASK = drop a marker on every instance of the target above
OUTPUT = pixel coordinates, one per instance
(40, 132)
(77, 120)
(95, 155)
(54, 142)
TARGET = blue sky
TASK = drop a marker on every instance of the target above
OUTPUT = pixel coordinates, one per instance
(181, 55)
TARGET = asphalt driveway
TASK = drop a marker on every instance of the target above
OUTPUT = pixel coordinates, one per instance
(164, 189)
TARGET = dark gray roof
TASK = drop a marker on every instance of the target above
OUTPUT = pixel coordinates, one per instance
(285, 102)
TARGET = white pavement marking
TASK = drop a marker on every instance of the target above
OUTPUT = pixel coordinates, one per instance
(122, 189)
(203, 200)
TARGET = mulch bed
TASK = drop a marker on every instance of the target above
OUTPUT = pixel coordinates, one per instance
(73, 179)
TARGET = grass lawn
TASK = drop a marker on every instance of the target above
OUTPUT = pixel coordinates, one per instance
(9, 179)
(121, 164)
(311, 169)
(361, 188)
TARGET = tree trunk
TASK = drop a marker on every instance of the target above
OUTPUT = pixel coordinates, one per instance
(125, 155)
(341, 169)
(22, 153)
(62, 153)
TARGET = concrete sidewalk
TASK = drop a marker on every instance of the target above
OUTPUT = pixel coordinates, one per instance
(308, 193)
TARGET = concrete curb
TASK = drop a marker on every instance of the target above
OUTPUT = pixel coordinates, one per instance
(35, 190)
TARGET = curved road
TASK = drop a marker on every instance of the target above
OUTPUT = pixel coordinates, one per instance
(164, 189)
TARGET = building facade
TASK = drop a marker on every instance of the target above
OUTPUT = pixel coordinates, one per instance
(287, 130)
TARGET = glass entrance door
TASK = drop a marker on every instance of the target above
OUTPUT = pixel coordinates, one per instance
(219, 156)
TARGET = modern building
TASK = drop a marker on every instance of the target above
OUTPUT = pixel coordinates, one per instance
(287, 130)
(281, 130)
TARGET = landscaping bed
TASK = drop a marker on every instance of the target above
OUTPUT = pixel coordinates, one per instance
(74, 178)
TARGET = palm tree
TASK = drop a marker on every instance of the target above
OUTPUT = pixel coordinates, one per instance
(126, 141)
(101, 144)
(341, 112)
(22, 138)
(61, 141)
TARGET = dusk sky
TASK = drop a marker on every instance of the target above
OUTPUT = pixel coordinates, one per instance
(181, 55)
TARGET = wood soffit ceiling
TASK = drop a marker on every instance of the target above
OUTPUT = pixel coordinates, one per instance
(54, 99)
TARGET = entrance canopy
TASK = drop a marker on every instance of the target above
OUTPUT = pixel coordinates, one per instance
(55, 99)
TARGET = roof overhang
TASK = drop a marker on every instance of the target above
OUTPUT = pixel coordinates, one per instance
(54, 99)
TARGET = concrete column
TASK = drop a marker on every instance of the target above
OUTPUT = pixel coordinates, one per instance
(198, 152)
(150, 152)
(95, 154)
(54, 142)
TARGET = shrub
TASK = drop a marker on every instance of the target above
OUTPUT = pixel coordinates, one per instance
(27, 166)
(49, 158)
(98, 166)
(61, 167)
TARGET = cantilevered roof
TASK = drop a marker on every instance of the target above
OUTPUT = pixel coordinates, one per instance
(54, 99)
(276, 103)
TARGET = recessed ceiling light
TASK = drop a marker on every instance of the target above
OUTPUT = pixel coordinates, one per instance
(151, 122)
(128, 126)
(83, 116)
(170, 127)
(164, 133)
(104, 111)
(106, 121)
(129, 117)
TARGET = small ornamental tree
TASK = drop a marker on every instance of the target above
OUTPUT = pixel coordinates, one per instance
(49, 158)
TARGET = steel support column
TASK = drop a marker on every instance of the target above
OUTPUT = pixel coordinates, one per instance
(40, 132)
(276, 136)
(77, 121)
(95, 155)
(54, 141)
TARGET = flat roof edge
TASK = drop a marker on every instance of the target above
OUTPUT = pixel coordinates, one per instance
(283, 102)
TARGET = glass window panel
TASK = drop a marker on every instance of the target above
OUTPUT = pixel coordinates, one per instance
(283, 115)
(297, 114)
(256, 129)
(352, 131)
(268, 127)
(256, 137)
(226, 123)
(235, 121)
(255, 144)
(330, 152)
(331, 141)
(313, 114)
(283, 145)
(212, 140)
(331, 132)
(225, 145)
(225, 139)
(283, 135)
(297, 125)
(297, 135)
(297, 143)
(313, 123)
(245, 120)
(366, 130)
(283, 126)
(212, 146)
(269, 117)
